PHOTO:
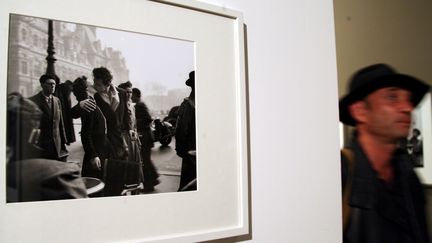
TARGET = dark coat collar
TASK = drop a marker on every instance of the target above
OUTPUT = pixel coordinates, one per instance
(365, 179)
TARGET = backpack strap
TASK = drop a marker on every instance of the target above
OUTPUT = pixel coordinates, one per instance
(346, 191)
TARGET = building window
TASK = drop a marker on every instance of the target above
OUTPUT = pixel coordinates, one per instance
(23, 91)
(35, 41)
(24, 67)
(24, 34)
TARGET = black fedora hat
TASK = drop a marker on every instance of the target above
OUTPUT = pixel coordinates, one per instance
(374, 77)
(191, 80)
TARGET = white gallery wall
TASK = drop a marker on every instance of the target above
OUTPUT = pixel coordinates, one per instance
(395, 32)
(293, 120)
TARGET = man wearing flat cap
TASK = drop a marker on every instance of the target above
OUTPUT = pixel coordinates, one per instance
(383, 199)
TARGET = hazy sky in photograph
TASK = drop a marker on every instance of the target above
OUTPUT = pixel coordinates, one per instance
(151, 59)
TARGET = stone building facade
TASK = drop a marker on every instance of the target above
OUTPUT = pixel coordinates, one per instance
(77, 50)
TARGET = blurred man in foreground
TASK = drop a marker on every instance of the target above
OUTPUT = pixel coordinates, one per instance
(29, 177)
(383, 199)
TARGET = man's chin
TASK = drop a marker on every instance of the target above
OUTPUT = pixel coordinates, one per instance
(403, 134)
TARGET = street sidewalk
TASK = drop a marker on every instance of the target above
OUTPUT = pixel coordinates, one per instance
(167, 163)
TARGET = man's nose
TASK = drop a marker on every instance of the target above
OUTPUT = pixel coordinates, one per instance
(406, 106)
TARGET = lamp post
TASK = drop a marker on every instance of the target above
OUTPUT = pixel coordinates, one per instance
(50, 58)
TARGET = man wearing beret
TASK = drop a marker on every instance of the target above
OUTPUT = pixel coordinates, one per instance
(53, 137)
(383, 199)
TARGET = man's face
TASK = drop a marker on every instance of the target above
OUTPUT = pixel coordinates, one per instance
(129, 93)
(98, 84)
(81, 94)
(48, 87)
(135, 98)
(387, 113)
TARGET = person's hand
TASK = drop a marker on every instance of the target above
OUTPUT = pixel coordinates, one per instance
(96, 163)
(133, 134)
(126, 152)
(88, 105)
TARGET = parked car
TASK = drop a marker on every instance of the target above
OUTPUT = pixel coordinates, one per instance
(162, 131)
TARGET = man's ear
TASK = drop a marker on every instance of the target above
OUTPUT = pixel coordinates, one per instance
(358, 111)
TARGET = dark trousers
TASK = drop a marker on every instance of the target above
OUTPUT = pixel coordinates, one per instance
(149, 170)
(188, 172)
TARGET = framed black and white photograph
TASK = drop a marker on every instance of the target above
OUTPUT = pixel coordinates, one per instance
(126, 128)
(155, 73)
